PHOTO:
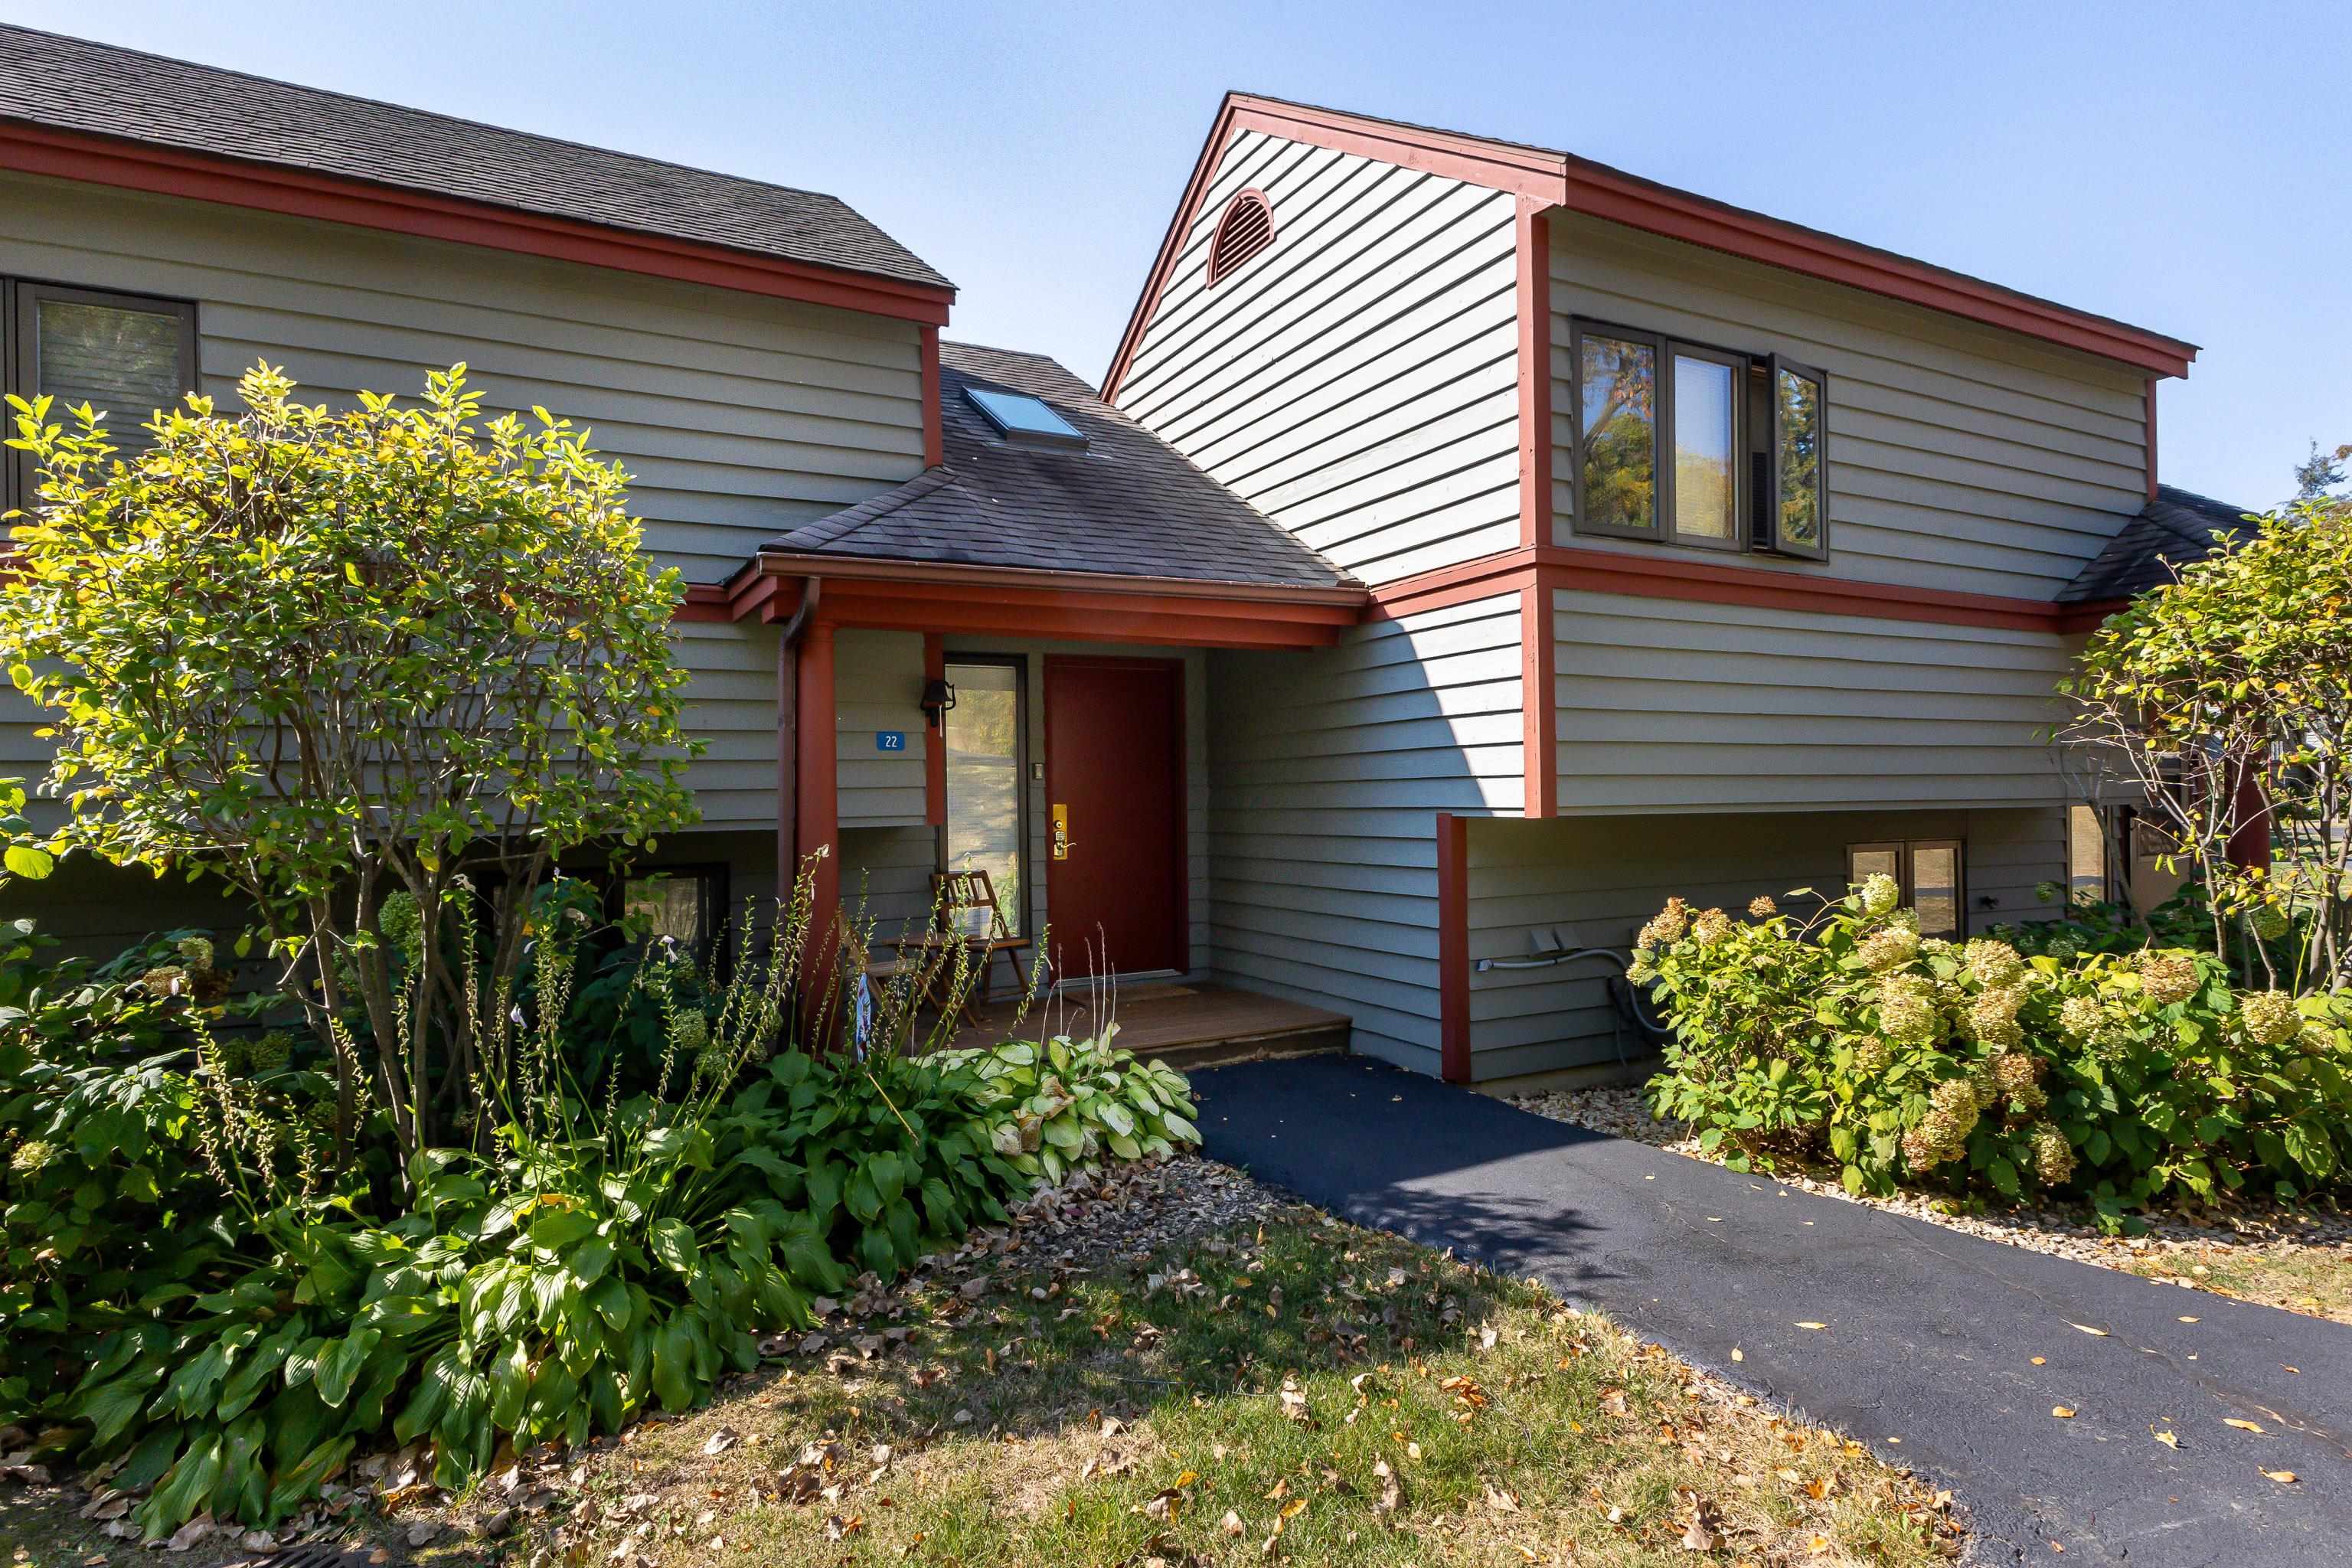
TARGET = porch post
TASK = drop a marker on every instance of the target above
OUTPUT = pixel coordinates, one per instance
(817, 813)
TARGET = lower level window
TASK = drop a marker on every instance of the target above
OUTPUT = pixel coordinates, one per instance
(1929, 872)
(2087, 855)
(684, 906)
(128, 355)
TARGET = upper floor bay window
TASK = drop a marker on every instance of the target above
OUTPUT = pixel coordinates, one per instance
(1687, 443)
(126, 355)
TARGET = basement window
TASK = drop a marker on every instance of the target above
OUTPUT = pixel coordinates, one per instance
(1929, 872)
(1020, 417)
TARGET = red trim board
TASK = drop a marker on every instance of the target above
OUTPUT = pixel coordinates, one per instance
(1538, 705)
(165, 171)
(818, 805)
(1550, 179)
(1534, 248)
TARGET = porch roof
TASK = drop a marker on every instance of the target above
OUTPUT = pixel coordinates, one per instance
(2175, 529)
(1128, 506)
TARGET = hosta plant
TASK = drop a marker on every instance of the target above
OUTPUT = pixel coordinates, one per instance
(1063, 1103)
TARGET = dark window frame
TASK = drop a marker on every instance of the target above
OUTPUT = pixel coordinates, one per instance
(1016, 918)
(1904, 851)
(1580, 328)
(714, 877)
(1738, 364)
(20, 337)
(1775, 365)
(1755, 487)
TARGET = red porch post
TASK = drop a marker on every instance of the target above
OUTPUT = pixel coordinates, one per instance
(2250, 844)
(817, 810)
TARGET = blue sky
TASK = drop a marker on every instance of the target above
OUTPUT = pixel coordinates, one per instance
(2141, 161)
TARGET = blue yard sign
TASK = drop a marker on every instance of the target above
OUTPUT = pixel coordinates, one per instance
(890, 740)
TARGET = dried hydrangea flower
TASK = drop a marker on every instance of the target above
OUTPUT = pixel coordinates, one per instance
(2082, 1016)
(1907, 1010)
(1992, 1018)
(195, 951)
(33, 1156)
(2053, 1157)
(2316, 1037)
(1762, 907)
(1880, 894)
(2269, 1018)
(1994, 964)
(1644, 968)
(1872, 1056)
(1889, 949)
(1669, 926)
(1711, 926)
(2168, 977)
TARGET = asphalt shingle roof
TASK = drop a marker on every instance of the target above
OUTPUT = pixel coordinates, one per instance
(1129, 504)
(2177, 527)
(72, 84)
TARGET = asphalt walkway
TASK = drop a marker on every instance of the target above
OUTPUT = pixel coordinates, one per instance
(1928, 1352)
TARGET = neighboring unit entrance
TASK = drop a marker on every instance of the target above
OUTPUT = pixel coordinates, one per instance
(1114, 814)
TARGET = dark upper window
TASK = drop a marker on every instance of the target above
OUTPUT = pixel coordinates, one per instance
(1247, 228)
(1687, 443)
(126, 355)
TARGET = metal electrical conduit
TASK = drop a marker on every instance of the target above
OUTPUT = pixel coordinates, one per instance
(1633, 1007)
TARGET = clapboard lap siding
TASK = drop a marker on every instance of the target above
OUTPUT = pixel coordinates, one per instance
(1961, 457)
(738, 415)
(1597, 879)
(1665, 705)
(878, 685)
(1328, 770)
(1356, 381)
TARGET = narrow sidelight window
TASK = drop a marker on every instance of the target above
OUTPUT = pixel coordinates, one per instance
(1798, 516)
(982, 732)
(1617, 403)
(2087, 855)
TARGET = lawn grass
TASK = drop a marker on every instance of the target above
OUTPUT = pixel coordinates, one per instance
(2314, 1280)
(1303, 1391)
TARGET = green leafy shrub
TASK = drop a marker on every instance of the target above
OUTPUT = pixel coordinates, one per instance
(1062, 1104)
(2124, 1078)
(258, 1316)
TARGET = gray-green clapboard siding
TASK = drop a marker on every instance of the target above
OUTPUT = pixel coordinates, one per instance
(1598, 878)
(1667, 705)
(877, 688)
(1961, 457)
(739, 416)
(1329, 769)
(1357, 379)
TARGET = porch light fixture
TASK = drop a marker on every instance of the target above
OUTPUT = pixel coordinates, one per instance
(938, 698)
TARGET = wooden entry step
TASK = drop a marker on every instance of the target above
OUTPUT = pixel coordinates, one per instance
(1185, 1026)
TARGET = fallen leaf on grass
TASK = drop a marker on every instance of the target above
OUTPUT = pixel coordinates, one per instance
(1705, 1531)
(2189, 1320)
(839, 1528)
(1501, 1500)
(2283, 1477)
(1736, 1355)
(1392, 1489)
(2170, 1439)
(1232, 1523)
(2243, 1425)
(2063, 1412)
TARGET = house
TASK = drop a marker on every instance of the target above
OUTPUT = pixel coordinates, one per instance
(1470, 544)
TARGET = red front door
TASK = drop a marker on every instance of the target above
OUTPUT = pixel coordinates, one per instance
(1114, 814)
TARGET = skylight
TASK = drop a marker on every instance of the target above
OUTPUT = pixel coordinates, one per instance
(1022, 417)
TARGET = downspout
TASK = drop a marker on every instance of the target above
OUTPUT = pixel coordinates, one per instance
(788, 748)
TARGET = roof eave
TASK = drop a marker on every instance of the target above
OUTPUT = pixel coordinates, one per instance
(1563, 181)
(817, 563)
(130, 164)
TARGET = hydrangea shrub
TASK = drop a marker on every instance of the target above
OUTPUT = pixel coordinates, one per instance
(2124, 1078)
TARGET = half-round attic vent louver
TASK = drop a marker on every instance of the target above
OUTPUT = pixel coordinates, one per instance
(1247, 228)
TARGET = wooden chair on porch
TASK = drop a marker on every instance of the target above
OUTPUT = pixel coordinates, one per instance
(965, 914)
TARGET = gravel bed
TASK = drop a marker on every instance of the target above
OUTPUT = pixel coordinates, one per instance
(2069, 1232)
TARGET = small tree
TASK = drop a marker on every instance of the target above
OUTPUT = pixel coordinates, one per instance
(376, 669)
(2220, 704)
